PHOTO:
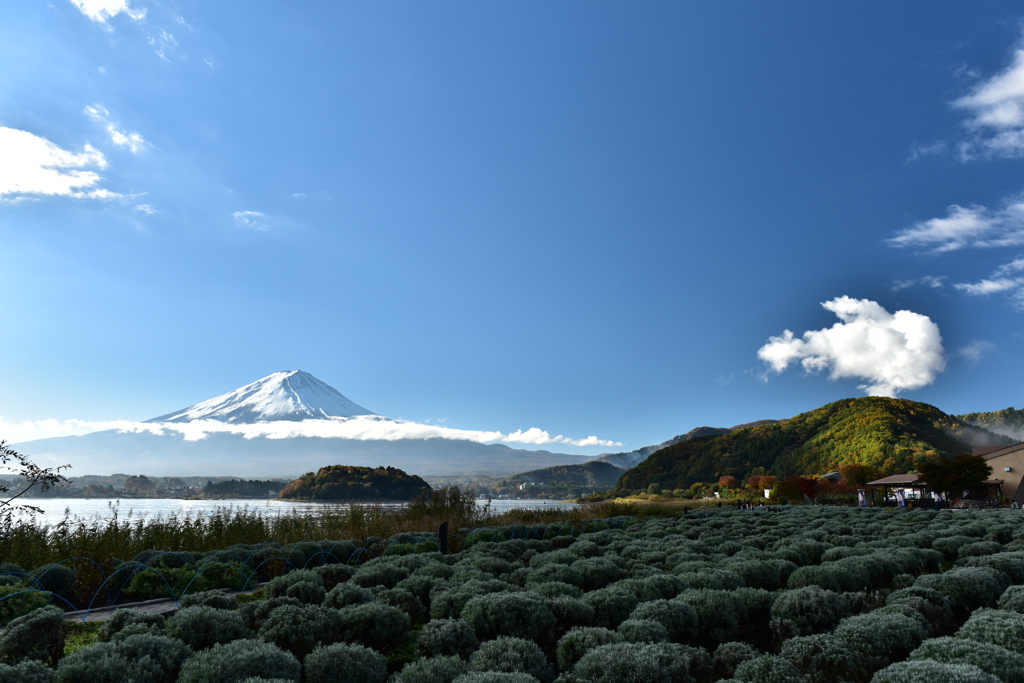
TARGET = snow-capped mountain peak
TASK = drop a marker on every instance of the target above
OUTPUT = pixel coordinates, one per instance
(292, 395)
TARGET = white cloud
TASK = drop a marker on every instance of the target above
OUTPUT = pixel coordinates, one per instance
(33, 166)
(995, 108)
(253, 220)
(101, 10)
(361, 428)
(162, 44)
(976, 350)
(133, 141)
(102, 69)
(935, 282)
(964, 227)
(1008, 277)
(146, 209)
(894, 352)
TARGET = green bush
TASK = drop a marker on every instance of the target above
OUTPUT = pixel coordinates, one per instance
(105, 663)
(577, 642)
(995, 626)
(21, 602)
(834, 576)
(124, 617)
(449, 637)
(823, 658)
(643, 631)
(333, 574)
(967, 589)
(374, 625)
(979, 548)
(1010, 564)
(278, 587)
(27, 672)
(806, 611)
(342, 663)
(767, 669)
(950, 545)
(201, 627)
(730, 655)
(882, 637)
(596, 572)
(927, 671)
(650, 663)
(307, 592)
(215, 598)
(991, 658)
(570, 612)
(611, 606)
(255, 613)
(235, 661)
(168, 654)
(405, 601)
(519, 615)
(56, 578)
(438, 669)
(933, 605)
(379, 572)
(512, 655)
(494, 677)
(38, 635)
(345, 594)
(1012, 599)
(300, 629)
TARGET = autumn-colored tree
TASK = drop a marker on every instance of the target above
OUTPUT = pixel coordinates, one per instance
(761, 482)
(857, 474)
(810, 487)
(963, 472)
(727, 482)
(789, 487)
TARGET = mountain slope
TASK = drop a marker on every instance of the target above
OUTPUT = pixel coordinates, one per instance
(600, 475)
(292, 396)
(886, 433)
(634, 458)
(1009, 422)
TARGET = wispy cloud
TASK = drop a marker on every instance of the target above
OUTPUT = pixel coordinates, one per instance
(963, 227)
(252, 220)
(977, 349)
(894, 352)
(33, 167)
(101, 10)
(133, 141)
(995, 111)
(933, 281)
(1008, 277)
(361, 428)
(146, 209)
(162, 43)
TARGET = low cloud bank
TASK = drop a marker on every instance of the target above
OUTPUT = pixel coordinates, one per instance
(361, 428)
(893, 352)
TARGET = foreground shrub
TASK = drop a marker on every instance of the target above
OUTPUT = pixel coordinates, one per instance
(823, 658)
(1012, 599)
(678, 618)
(512, 655)
(215, 599)
(995, 626)
(440, 669)
(494, 677)
(927, 671)
(235, 661)
(256, 613)
(19, 605)
(967, 589)
(341, 663)
(882, 637)
(643, 631)
(125, 617)
(333, 574)
(374, 625)
(447, 637)
(278, 587)
(580, 641)
(806, 611)
(654, 663)
(611, 606)
(300, 629)
(56, 578)
(37, 635)
(345, 594)
(27, 672)
(104, 663)
(730, 655)
(767, 669)
(201, 627)
(168, 654)
(519, 615)
(931, 604)
(990, 658)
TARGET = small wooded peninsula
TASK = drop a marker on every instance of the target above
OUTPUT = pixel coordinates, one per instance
(344, 482)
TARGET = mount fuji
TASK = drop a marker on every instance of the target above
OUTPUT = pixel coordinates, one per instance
(281, 426)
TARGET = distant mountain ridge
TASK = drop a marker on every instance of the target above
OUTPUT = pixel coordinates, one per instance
(1008, 422)
(634, 458)
(600, 475)
(889, 434)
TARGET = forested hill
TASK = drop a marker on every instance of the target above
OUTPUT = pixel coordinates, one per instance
(1009, 422)
(890, 434)
(344, 482)
(600, 475)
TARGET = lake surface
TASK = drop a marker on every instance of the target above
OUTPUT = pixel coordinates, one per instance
(90, 508)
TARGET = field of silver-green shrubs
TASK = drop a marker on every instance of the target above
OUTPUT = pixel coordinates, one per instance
(807, 594)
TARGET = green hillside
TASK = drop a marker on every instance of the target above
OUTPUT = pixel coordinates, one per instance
(890, 434)
(1009, 421)
(599, 475)
(345, 482)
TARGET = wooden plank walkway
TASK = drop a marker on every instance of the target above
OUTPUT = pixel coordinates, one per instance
(157, 606)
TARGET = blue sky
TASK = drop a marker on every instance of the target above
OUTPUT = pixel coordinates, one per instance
(586, 218)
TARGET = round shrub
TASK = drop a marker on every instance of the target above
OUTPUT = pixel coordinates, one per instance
(933, 605)
(494, 677)
(1009, 564)
(570, 612)
(979, 548)
(278, 588)
(643, 631)
(56, 578)
(767, 669)
(333, 574)
(990, 658)
(823, 658)
(215, 599)
(300, 629)
(29, 671)
(452, 637)
(678, 618)
(611, 606)
(166, 653)
(447, 601)
(341, 663)
(374, 625)
(807, 610)
(21, 605)
(124, 617)
(379, 573)
(718, 616)
(103, 663)
(240, 659)
(257, 612)
(306, 592)
(882, 637)
(345, 594)
(403, 600)
(995, 626)
(201, 627)
(520, 615)
(967, 589)
(579, 641)
(512, 655)
(714, 579)
(834, 576)
(555, 589)
(927, 671)
(439, 669)
(950, 545)
(37, 635)
(730, 655)
(647, 663)
(596, 572)
(1012, 599)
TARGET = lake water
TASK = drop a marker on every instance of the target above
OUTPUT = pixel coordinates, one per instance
(89, 508)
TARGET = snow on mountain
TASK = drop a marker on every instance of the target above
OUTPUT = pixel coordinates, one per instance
(286, 396)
